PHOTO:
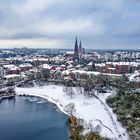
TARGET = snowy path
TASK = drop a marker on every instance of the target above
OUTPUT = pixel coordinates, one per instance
(111, 117)
(92, 109)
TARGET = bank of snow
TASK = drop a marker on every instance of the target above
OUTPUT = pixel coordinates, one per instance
(89, 109)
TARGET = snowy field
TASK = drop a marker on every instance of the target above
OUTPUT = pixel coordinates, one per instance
(89, 109)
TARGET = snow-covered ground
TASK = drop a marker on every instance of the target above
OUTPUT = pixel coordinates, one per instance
(135, 76)
(90, 109)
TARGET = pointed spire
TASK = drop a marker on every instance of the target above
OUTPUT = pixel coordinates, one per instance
(80, 47)
(76, 49)
(76, 44)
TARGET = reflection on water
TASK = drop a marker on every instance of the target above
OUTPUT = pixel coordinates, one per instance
(31, 118)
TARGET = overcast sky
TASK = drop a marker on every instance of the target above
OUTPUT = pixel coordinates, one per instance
(100, 24)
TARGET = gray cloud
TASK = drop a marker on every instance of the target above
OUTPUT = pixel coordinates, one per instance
(55, 23)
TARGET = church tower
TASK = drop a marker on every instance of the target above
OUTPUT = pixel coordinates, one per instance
(80, 48)
(76, 50)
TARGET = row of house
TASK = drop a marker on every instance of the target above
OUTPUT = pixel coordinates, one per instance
(81, 75)
(72, 73)
(115, 67)
(13, 69)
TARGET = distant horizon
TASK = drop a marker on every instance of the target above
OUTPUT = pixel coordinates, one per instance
(70, 49)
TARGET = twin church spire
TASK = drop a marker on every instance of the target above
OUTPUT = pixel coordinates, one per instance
(77, 49)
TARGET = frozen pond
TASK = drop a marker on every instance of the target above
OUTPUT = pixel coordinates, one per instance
(31, 118)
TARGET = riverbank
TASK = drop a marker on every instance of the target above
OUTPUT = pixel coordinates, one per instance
(7, 92)
(91, 110)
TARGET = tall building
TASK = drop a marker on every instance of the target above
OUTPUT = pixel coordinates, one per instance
(83, 50)
(80, 48)
(76, 50)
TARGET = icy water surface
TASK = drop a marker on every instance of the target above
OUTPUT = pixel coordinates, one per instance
(31, 118)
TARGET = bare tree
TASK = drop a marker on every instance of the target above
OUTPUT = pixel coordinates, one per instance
(69, 91)
(79, 90)
(70, 108)
(98, 128)
(99, 82)
(45, 73)
(65, 89)
(11, 90)
(89, 125)
(88, 85)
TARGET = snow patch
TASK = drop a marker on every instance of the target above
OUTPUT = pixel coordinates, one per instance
(88, 109)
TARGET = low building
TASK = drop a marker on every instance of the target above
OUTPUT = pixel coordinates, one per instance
(106, 68)
(57, 75)
(91, 66)
(121, 69)
(111, 70)
(79, 74)
(46, 70)
(63, 67)
(25, 67)
(100, 67)
(12, 78)
(11, 69)
(46, 66)
(69, 55)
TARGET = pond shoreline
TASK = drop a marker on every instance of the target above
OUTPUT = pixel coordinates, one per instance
(85, 108)
(51, 100)
(19, 104)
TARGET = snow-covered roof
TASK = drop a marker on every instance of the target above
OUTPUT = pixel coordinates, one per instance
(66, 72)
(11, 76)
(11, 67)
(111, 68)
(25, 65)
(69, 66)
(78, 66)
(116, 75)
(69, 52)
(46, 66)
(85, 72)
(58, 68)
(42, 59)
(14, 68)
(36, 59)
(124, 63)
(63, 65)
(69, 62)
(100, 64)
(90, 63)
(94, 73)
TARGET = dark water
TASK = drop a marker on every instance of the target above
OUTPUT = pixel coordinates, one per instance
(31, 118)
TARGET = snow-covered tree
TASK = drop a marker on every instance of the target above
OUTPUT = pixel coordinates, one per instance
(69, 91)
(11, 90)
(65, 89)
(90, 126)
(88, 85)
(98, 128)
(79, 90)
(70, 108)
(99, 82)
